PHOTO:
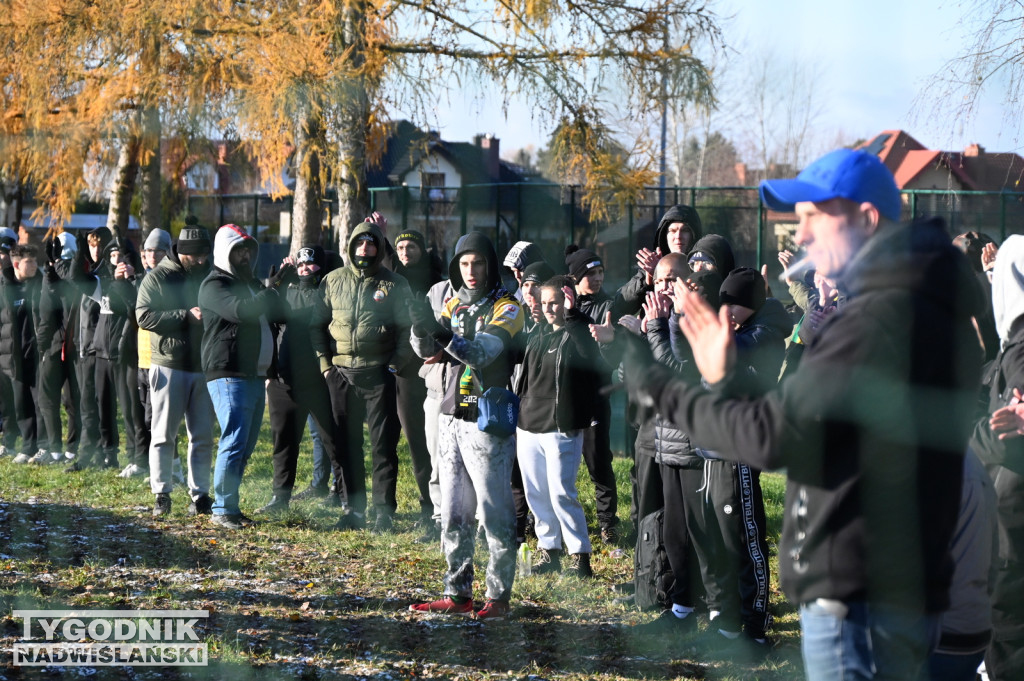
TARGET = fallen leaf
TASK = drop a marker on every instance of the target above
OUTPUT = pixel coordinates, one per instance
(304, 606)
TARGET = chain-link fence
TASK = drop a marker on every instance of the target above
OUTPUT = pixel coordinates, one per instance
(554, 216)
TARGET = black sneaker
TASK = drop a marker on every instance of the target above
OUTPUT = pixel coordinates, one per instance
(351, 521)
(162, 505)
(278, 504)
(610, 534)
(311, 493)
(383, 524)
(667, 623)
(546, 561)
(201, 506)
(579, 565)
(228, 522)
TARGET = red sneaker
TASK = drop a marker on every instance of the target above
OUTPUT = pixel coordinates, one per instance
(446, 605)
(492, 610)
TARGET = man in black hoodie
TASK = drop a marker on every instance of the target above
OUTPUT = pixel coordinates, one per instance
(871, 428)
(476, 332)
(417, 265)
(19, 356)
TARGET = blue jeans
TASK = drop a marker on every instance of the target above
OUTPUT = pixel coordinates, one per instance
(867, 642)
(321, 464)
(238, 403)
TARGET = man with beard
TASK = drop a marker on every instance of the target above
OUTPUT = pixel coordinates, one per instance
(168, 307)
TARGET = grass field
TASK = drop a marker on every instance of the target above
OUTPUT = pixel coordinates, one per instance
(289, 598)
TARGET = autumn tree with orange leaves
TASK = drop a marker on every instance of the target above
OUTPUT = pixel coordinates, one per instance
(312, 82)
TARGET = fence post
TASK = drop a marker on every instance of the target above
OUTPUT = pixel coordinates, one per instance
(519, 211)
(760, 234)
(220, 201)
(913, 205)
(463, 210)
(1002, 217)
(256, 217)
(405, 205)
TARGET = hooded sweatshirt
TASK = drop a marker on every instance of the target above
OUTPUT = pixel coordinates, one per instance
(719, 250)
(871, 427)
(634, 291)
(484, 322)
(237, 312)
(362, 320)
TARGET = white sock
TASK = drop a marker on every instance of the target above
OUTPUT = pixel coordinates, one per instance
(712, 614)
(681, 611)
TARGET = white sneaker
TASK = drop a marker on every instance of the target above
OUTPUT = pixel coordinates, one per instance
(22, 458)
(70, 456)
(4, 451)
(42, 458)
(131, 471)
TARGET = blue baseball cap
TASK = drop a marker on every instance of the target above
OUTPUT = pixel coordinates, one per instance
(842, 174)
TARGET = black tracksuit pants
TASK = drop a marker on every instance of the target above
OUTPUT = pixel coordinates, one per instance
(89, 445)
(411, 393)
(597, 453)
(112, 389)
(726, 522)
(58, 382)
(359, 395)
(289, 406)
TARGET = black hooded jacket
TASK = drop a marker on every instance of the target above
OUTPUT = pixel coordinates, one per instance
(719, 250)
(871, 427)
(635, 290)
(19, 321)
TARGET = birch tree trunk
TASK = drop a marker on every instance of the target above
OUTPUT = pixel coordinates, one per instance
(124, 187)
(307, 217)
(353, 197)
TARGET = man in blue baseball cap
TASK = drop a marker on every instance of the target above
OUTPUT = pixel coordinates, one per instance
(871, 427)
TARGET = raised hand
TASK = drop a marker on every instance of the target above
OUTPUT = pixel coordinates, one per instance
(710, 336)
(603, 333)
(657, 305)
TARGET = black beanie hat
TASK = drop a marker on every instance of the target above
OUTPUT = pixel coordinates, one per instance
(744, 286)
(193, 239)
(412, 235)
(538, 272)
(579, 261)
(314, 254)
(708, 283)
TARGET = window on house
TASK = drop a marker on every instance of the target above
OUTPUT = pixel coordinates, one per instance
(433, 183)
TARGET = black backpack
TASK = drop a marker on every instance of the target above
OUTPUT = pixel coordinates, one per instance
(652, 574)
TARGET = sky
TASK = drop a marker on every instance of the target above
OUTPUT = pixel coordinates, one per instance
(875, 56)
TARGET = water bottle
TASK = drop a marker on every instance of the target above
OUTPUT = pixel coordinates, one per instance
(525, 560)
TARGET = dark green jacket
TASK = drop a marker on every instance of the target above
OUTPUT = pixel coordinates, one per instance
(165, 297)
(363, 320)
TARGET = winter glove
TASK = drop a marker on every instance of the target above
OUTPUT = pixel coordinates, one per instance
(51, 274)
(285, 275)
(425, 324)
(53, 249)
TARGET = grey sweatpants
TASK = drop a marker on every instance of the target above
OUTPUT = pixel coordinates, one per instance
(476, 473)
(176, 393)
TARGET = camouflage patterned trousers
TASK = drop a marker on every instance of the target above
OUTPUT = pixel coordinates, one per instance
(476, 473)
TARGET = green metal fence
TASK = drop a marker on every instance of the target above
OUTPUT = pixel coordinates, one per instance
(553, 216)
